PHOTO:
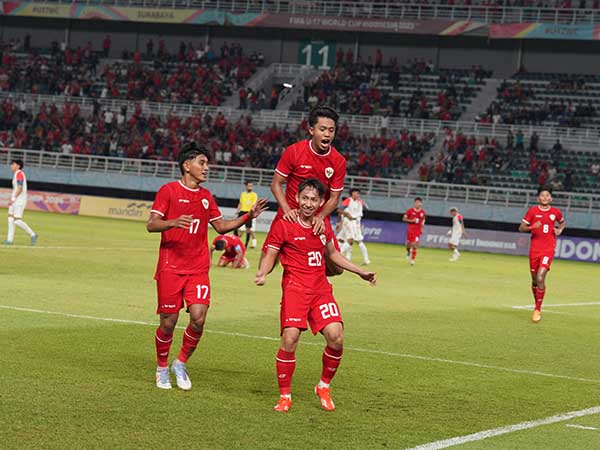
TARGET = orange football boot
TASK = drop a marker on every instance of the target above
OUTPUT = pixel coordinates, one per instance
(537, 316)
(324, 395)
(283, 405)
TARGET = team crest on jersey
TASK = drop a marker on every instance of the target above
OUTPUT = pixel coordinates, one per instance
(323, 239)
(329, 172)
(552, 217)
(205, 203)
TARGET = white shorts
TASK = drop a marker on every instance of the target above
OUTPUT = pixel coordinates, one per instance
(354, 231)
(16, 209)
(455, 238)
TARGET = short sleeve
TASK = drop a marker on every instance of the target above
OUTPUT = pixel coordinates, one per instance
(276, 237)
(285, 166)
(559, 216)
(346, 202)
(329, 236)
(20, 177)
(528, 217)
(161, 201)
(337, 182)
(213, 209)
(460, 218)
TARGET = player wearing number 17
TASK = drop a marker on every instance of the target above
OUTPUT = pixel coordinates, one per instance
(541, 221)
(307, 295)
(182, 211)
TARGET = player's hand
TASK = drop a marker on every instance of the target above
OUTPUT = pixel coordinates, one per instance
(536, 225)
(371, 277)
(318, 225)
(449, 232)
(260, 279)
(183, 221)
(259, 207)
(558, 231)
(291, 215)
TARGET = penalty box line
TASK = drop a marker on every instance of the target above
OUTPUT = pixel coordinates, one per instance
(355, 349)
(481, 435)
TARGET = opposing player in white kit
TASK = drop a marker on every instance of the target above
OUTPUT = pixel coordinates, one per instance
(351, 211)
(18, 201)
(458, 229)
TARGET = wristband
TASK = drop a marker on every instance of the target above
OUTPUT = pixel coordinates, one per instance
(247, 216)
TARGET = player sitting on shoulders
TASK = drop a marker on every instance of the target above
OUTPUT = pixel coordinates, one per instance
(457, 231)
(307, 294)
(234, 251)
(181, 212)
(541, 222)
(415, 217)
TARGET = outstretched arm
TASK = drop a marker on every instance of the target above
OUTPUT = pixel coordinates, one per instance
(222, 226)
(266, 265)
(340, 261)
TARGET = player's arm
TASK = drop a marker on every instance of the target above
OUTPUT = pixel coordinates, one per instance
(277, 190)
(266, 265)
(18, 191)
(340, 261)
(329, 206)
(525, 227)
(222, 226)
(239, 256)
(407, 220)
(156, 223)
(561, 226)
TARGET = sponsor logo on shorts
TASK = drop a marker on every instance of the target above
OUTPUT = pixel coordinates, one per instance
(293, 319)
(329, 172)
(205, 203)
(300, 238)
(169, 306)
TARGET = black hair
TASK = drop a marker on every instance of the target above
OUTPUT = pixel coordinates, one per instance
(247, 182)
(220, 244)
(322, 111)
(313, 183)
(18, 162)
(190, 151)
(544, 188)
(418, 199)
(354, 190)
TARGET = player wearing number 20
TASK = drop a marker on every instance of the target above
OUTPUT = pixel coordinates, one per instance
(182, 211)
(307, 295)
(541, 221)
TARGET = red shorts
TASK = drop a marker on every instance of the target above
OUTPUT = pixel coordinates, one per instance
(300, 309)
(174, 289)
(412, 236)
(540, 260)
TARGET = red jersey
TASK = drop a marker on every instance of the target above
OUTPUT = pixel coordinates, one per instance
(185, 251)
(301, 254)
(233, 245)
(300, 162)
(543, 239)
(417, 227)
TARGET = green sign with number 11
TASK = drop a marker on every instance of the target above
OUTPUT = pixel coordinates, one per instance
(318, 54)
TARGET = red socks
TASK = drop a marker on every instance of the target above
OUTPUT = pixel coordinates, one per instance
(286, 363)
(190, 342)
(163, 344)
(413, 255)
(331, 361)
(539, 297)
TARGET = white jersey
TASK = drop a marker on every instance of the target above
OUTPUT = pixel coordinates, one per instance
(351, 229)
(19, 178)
(353, 207)
(456, 224)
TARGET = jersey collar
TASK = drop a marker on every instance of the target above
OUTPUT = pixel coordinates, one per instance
(545, 210)
(185, 187)
(317, 153)
(302, 224)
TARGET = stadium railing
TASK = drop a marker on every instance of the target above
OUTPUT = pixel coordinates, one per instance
(373, 10)
(378, 187)
(370, 125)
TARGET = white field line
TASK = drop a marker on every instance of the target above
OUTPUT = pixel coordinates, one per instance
(41, 247)
(581, 427)
(355, 349)
(560, 305)
(481, 435)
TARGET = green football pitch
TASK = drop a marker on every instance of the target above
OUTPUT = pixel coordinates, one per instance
(433, 352)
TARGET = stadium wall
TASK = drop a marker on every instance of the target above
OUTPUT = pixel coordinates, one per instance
(503, 56)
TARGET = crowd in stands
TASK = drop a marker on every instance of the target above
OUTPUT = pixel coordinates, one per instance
(416, 89)
(514, 162)
(69, 130)
(565, 100)
(193, 75)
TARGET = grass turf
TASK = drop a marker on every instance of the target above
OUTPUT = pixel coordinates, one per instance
(74, 382)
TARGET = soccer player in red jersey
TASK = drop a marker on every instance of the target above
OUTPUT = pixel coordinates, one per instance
(182, 211)
(307, 294)
(234, 251)
(541, 221)
(311, 158)
(415, 217)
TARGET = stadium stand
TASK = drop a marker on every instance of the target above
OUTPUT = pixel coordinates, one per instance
(416, 89)
(552, 99)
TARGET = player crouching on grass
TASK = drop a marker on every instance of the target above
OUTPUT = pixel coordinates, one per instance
(541, 221)
(307, 294)
(234, 251)
(181, 212)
